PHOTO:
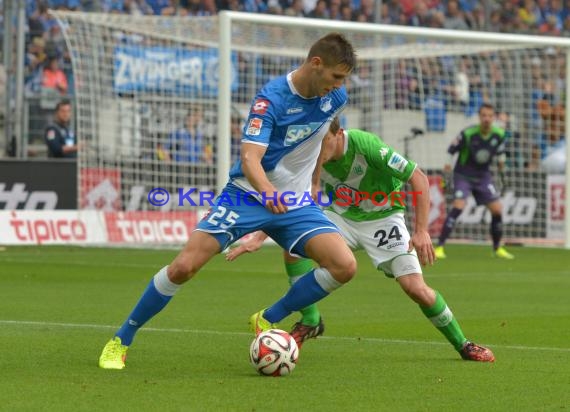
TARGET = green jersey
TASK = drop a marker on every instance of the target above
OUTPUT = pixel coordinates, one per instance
(365, 184)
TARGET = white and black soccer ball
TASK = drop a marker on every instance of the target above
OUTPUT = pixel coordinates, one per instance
(274, 353)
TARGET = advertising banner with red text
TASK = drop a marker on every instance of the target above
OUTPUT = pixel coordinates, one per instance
(150, 227)
(54, 227)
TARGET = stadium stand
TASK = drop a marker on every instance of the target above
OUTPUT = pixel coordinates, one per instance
(45, 43)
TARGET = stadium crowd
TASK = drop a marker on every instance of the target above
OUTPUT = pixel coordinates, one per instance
(48, 66)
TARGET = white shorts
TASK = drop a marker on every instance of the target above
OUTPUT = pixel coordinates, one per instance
(386, 241)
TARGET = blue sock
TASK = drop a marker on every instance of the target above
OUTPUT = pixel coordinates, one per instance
(150, 303)
(301, 294)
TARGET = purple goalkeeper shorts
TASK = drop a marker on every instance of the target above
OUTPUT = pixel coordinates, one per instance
(483, 190)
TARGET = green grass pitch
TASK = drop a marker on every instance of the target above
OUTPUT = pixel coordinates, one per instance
(59, 305)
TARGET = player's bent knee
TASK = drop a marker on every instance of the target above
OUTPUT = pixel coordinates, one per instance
(343, 271)
(181, 270)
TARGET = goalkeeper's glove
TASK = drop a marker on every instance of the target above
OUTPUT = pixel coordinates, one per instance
(447, 182)
(503, 182)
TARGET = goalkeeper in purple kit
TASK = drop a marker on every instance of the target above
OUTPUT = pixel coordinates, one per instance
(476, 147)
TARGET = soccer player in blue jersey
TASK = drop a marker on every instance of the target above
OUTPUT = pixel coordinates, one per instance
(281, 142)
(476, 147)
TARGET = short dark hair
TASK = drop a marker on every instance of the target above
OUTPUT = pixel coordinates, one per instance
(61, 103)
(487, 106)
(334, 49)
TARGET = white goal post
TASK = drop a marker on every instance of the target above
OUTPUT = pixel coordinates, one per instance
(138, 78)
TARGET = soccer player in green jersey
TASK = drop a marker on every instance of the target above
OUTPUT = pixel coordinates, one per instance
(364, 178)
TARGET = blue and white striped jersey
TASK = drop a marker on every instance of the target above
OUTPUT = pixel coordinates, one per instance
(292, 128)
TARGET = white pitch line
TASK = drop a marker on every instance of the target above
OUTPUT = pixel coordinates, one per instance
(214, 332)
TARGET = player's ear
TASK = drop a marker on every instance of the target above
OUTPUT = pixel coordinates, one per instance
(316, 62)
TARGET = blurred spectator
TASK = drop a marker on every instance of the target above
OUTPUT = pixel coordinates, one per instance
(188, 144)
(59, 138)
(454, 19)
(162, 7)
(550, 26)
(309, 6)
(295, 9)
(254, 6)
(320, 10)
(494, 23)
(529, 14)
(34, 64)
(334, 10)
(392, 14)
(549, 150)
(197, 8)
(421, 15)
(53, 77)
(347, 13)
(113, 5)
(136, 7)
(365, 13)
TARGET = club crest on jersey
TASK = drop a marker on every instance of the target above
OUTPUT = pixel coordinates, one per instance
(326, 104)
(357, 170)
(260, 106)
(383, 152)
(397, 162)
(254, 127)
(50, 134)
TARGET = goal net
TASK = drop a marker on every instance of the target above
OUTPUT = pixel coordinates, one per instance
(160, 103)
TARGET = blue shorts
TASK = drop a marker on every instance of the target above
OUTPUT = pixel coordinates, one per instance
(236, 214)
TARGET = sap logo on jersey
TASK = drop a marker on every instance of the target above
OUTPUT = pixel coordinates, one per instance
(298, 132)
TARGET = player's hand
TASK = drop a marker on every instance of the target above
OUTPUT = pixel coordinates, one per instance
(421, 242)
(447, 179)
(235, 252)
(315, 189)
(250, 245)
(275, 206)
(274, 201)
(503, 183)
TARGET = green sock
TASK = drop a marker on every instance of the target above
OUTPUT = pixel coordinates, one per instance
(443, 319)
(311, 314)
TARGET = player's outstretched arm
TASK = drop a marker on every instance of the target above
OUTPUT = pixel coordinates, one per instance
(249, 246)
(421, 240)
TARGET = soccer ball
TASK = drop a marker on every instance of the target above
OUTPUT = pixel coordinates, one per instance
(274, 353)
